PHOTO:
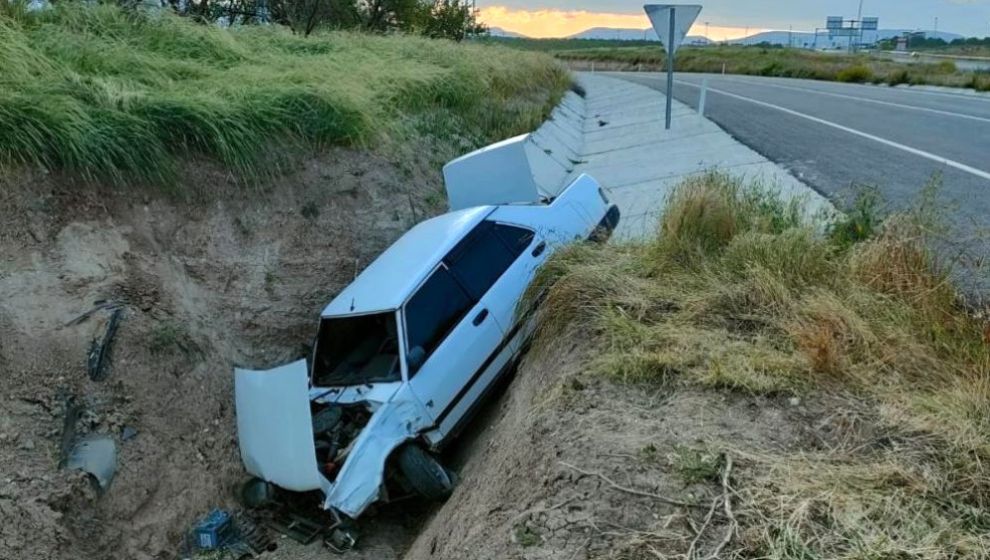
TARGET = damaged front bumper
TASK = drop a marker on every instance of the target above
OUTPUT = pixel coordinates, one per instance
(277, 441)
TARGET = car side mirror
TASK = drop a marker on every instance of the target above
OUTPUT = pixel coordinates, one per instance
(415, 358)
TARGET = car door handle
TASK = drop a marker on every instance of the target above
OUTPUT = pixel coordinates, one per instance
(538, 250)
(480, 317)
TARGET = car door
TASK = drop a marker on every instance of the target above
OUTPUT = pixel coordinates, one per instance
(447, 319)
(529, 251)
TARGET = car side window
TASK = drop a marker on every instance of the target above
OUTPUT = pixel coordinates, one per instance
(517, 239)
(480, 259)
(434, 310)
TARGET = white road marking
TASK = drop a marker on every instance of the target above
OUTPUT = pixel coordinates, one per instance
(914, 151)
(866, 99)
(964, 95)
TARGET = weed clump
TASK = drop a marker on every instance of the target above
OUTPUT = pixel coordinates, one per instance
(855, 74)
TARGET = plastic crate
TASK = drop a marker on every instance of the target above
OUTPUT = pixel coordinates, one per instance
(214, 530)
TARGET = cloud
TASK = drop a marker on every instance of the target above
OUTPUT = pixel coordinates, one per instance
(561, 23)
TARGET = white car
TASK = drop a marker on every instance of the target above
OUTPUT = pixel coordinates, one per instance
(406, 353)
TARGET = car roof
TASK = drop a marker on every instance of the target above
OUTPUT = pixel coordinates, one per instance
(391, 278)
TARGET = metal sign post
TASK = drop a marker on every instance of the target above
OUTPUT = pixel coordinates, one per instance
(670, 68)
(671, 22)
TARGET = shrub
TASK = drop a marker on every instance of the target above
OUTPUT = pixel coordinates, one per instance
(898, 77)
(946, 67)
(860, 221)
(855, 74)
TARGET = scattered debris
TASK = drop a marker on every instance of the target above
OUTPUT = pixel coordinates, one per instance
(96, 455)
(295, 526)
(257, 493)
(214, 531)
(221, 534)
(99, 350)
(255, 536)
(128, 433)
(72, 412)
(97, 306)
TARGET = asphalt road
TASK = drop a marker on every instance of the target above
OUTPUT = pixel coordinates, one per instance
(835, 136)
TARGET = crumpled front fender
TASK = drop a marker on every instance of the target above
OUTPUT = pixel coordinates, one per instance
(359, 482)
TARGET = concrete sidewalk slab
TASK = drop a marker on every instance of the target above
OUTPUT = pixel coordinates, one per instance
(626, 148)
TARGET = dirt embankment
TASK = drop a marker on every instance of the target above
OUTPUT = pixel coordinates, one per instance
(206, 282)
(575, 466)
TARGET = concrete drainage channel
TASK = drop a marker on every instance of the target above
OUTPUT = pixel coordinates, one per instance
(405, 402)
(613, 130)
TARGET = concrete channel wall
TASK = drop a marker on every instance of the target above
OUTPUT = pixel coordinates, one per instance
(615, 133)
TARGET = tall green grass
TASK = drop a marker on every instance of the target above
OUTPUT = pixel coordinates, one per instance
(110, 94)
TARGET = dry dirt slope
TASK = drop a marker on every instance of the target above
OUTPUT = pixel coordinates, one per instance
(532, 487)
(206, 282)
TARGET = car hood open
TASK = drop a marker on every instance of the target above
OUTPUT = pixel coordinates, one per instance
(275, 427)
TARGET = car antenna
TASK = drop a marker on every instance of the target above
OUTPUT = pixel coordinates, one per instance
(352, 304)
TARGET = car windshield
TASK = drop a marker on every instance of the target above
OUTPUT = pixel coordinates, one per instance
(356, 350)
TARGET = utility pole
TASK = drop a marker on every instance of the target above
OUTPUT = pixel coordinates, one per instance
(936, 28)
(859, 19)
(790, 36)
(707, 36)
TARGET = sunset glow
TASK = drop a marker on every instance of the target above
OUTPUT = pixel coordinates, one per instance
(561, 23)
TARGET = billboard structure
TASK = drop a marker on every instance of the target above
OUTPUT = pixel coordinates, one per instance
(837, 26)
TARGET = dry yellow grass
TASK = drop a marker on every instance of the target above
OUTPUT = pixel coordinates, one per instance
(738, 292)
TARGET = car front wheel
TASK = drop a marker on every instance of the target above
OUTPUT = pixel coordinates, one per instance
(425, 475)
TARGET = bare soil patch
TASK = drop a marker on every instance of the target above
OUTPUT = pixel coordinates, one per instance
(211, 278)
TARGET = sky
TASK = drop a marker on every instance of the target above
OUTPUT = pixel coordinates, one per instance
(729, 19)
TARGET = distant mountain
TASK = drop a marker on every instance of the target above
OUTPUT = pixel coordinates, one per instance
(621, 34)
(616, 34)
(499, 32)
(795, 38)
(805, 39)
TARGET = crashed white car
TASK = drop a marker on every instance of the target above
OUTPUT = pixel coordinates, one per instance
(407, 352)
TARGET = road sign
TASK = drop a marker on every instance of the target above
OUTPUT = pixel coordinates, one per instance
(671, 22)
(870, 24)
(833, 22)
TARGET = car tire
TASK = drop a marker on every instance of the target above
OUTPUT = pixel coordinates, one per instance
(425, 475)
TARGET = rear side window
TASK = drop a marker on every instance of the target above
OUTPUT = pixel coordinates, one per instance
(435, 310)
(517, 239)
(483, 256)
(479, 260)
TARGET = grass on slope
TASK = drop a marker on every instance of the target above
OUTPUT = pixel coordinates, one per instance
(109, 94)
(738, 293)
(759, 61)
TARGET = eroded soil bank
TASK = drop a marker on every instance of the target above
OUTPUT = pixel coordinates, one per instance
(205, 282)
